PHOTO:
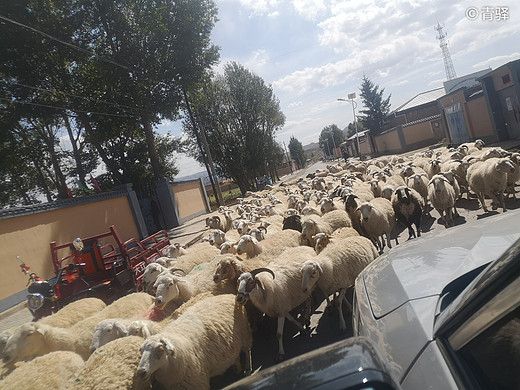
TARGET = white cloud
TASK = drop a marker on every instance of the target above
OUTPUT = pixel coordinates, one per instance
(257, 60)
(497, 61)
(295, 104)
(309, 9)
(436, 83)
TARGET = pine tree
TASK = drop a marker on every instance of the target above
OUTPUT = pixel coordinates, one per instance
(377, 108)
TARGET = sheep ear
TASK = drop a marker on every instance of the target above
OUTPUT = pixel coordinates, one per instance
(430, 182)
(320, 270)
(120, 328)
(168, 347)
(446, 180)
(39, 330)
(260, 284)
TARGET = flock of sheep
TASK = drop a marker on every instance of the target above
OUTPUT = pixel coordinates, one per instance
(277, 254)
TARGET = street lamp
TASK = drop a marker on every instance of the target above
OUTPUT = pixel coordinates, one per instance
(350, 98)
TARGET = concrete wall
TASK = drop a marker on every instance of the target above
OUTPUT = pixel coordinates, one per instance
(388, 142)
(418, 133)
(29, 232)
(191, 198)
(480, 125)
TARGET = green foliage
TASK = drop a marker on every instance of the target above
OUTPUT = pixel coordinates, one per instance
(351, 129)
(297, 153)
(134, 56)
(377, 108)
(330, 136)
(240, 116)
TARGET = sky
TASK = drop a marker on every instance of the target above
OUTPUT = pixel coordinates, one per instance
(313, 52)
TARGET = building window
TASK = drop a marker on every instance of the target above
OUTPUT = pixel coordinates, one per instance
(506, 79)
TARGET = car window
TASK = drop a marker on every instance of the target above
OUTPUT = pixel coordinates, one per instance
(493, 357)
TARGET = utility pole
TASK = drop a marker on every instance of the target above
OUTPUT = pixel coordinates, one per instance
(218, 194)
(288, 159)
(201, 147)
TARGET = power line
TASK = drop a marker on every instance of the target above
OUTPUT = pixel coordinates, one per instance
(71, 109)
(118, 105)
(63, 42)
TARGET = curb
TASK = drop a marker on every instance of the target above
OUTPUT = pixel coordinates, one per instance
(12, 310)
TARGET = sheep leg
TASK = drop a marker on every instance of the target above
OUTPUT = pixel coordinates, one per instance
(246, 361)
(279, 336)
(480, 197)
(342, 325)
(387, 240)
(502, 201)
(401, 218)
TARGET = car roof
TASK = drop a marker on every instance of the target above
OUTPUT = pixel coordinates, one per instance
(425, 266)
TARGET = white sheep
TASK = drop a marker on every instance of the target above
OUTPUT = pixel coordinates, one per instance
(144, 328)
(490, 178)
(327, 205)
(55, 370)
(337, 267)
(228, 247)
(442, 197)
(271, 246)
(150, 275)
(113, 367)
(278, 293)
(35, 339)
(329, 222)
(108, 330)
(419, 182)
(176, 250)
(172, 289)
(324, 239)
(378, 219)
(230, 268)
(203, 342)
(197, 255)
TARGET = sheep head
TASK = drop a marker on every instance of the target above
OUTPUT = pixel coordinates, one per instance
(505, 165)
(106, 331)
(139, 328)
(321, 241)
(366, 210)
(403, 195)
(309, 229)
(150, 274)
(438, 182)
(167, 289)
(228, 247)
(155, 354)
(311, 272)
(248, 282)
(227, 268)
(246, 244)
(27, 340)
(216, 237)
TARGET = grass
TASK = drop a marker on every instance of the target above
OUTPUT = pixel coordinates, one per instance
(228, 196)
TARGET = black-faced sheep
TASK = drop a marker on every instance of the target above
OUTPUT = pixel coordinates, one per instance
(408, 207)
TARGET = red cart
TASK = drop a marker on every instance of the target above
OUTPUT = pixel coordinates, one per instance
(99, 266)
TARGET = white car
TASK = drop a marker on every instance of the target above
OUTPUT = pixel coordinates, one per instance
(444, 309)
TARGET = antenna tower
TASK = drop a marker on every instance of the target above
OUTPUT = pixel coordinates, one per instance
(448, 63)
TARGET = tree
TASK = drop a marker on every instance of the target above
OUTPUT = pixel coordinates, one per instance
(377, 108)
(331, 136)
(297, 153)
(123, 72)
(351, 129)
(240, 116)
